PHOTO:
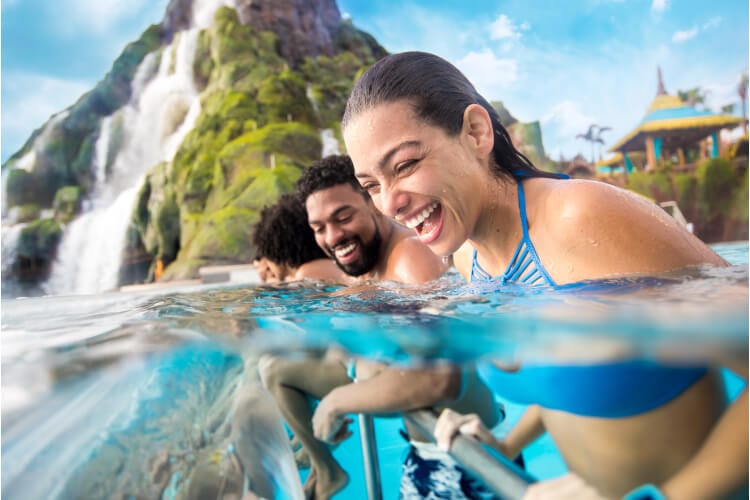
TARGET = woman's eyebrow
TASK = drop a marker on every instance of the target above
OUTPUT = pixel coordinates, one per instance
(383, 163)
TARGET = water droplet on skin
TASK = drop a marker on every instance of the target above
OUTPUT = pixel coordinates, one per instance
(594, 243)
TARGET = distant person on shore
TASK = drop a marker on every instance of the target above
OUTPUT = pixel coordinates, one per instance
(433, 155)
(369, 246)
(285, 246)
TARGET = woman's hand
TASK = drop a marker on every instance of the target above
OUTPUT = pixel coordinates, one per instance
(567, 487)
(450, 423)
(328, 425)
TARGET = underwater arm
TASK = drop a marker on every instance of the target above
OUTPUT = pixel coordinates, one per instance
(720, 467)
(528, 428)
(389, 391)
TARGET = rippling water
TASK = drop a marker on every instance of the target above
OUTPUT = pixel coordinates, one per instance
(129, 393)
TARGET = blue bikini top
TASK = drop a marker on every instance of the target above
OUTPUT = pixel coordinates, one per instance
(525, 266)
(605, 390)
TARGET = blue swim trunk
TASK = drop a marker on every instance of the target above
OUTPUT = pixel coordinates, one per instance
(431, 473)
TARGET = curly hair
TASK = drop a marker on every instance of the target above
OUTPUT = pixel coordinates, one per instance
(283, 235)
(327, 172)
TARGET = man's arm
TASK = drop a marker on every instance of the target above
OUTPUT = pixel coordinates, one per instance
(391, 390)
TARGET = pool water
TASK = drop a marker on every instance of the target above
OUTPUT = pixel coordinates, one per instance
(129, 393)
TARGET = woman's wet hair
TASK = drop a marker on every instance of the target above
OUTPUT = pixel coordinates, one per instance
(439, 94)
(283, 235)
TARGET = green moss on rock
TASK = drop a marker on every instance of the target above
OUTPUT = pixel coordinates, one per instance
(67, 203)
(39, 239)
(283, 98)
(19, 187)
(28, 212)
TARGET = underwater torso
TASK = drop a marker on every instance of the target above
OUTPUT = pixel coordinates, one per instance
(605, 390)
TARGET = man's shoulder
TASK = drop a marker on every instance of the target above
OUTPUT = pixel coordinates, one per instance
(412, 261)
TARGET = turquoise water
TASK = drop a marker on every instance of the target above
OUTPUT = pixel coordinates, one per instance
(117, 392)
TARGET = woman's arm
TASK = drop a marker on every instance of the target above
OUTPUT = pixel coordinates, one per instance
(721, 465)
(528, 428)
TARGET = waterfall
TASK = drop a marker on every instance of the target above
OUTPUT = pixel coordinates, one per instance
(101, 150)
(330, 143)
(162, 110)
(10, 235)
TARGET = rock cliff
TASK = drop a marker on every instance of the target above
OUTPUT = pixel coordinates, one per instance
(268, 77)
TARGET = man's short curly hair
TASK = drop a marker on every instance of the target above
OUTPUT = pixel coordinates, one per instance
(328, 172)
(283, 234)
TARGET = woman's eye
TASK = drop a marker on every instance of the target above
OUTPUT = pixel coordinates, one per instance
(404, 167)
(370, 187)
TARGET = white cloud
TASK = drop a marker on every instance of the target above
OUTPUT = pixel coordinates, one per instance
(711, 23)
(568, 117)
(100, 17)
(487, 72)
(720, 94)
(29, 100)
(659, 5)
(504, 27)
(683, 36)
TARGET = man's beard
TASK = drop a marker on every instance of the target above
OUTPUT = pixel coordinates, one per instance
(370, 255)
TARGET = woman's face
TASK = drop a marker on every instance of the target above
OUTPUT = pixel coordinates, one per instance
(417, 174)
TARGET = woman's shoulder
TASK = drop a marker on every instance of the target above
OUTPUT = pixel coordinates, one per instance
(576, 201)
(597, 230)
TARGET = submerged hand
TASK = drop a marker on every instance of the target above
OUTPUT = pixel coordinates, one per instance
(328, 425)
(570, 486)
(450, 423)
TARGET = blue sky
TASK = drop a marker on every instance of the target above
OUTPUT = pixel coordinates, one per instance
(565, 63)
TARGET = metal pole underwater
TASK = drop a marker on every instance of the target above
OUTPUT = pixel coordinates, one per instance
(370, 457)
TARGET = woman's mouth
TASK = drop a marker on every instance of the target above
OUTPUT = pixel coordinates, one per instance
(427, 223)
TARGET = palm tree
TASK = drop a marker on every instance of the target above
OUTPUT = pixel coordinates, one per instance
(589, 137)
(598, 139)
(694, 97)
(593, 135)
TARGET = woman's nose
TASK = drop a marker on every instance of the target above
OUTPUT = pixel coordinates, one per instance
(393, 201)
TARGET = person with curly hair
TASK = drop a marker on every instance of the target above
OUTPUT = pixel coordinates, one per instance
(286, 248)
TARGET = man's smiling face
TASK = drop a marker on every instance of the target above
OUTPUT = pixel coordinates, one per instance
(345, 228)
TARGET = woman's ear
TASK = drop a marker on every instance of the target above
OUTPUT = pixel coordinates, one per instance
(477, 128)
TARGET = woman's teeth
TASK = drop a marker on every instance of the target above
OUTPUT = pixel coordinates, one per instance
(420, 217)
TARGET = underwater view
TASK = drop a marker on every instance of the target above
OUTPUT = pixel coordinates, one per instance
(131, 394)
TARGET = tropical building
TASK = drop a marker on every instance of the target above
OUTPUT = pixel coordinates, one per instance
(672, 129)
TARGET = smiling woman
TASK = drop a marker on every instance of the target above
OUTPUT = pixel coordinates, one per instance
(432, 154)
